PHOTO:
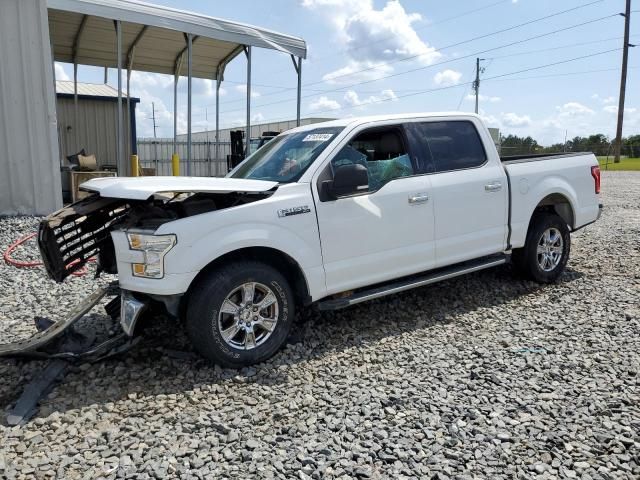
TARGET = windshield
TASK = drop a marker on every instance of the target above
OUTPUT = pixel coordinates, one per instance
(285, 158)
(254, 144)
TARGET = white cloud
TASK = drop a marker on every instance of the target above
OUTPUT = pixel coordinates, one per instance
(603, 100)
(614, 109)
(323, 103)
(352, 98)
(156, 82)
(490, 120)
(60, 73)
(356, 71)
(483, 98)
(148, 80)
(370, 37)
(515, 121)
(243, 89)
(447, 77)
(164, 117)
(574, 109)
(257, 117)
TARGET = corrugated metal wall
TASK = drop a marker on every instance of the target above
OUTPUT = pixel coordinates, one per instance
(95, 130)
(29, 166)
(156, 154)
(256, 130)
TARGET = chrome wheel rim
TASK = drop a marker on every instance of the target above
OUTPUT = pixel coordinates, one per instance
(248, 316)
(550, 247)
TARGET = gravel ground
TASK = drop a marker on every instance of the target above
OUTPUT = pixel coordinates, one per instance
(486, 376)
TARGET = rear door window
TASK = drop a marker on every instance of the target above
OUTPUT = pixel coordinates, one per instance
(451, 145)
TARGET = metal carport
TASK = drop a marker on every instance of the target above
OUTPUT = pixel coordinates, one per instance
(132, 35)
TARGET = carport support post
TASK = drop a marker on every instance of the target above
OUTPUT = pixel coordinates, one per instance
(119, 134)
(189, 75)
(75, 105)
(298, 66)
(218, 82)
(129, 105)
(247, 142)
(175, 113)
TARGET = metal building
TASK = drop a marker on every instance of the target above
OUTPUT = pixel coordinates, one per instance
(29, 165)
(92, 126)
(123, 34)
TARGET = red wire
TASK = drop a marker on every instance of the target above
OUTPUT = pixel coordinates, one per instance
(20, 264)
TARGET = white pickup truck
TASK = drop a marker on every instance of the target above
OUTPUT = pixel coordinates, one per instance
(333, 214)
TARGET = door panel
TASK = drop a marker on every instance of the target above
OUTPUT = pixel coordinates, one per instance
(471, 213)
(371, 238)
(387, 232)
(469, 188)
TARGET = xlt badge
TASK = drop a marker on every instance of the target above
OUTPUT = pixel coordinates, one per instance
(287, 212)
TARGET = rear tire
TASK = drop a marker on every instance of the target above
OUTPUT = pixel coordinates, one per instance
(546, 251)
(240, 314)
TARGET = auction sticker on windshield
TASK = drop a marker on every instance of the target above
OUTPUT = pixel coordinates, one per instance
(317, 137)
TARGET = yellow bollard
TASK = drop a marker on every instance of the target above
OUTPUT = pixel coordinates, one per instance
(135, 166)
(175, 164)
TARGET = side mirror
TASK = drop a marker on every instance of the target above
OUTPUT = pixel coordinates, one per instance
(347, 180)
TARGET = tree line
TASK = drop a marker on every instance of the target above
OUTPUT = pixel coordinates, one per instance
(599, 144)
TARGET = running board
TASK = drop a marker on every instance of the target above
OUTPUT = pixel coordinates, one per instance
(414, 281)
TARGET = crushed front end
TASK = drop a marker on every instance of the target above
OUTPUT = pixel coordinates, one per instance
(116, 234)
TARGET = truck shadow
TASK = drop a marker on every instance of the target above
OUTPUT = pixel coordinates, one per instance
(164, 363)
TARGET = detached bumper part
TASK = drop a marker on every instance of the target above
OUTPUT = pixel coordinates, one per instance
(130, 310)
(32, 346)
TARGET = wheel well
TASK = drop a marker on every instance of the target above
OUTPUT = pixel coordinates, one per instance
(559, 204)
(272, 257)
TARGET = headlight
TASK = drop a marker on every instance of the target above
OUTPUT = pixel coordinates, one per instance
(155, 247)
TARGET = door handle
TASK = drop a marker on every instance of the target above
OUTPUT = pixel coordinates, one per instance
(418, 198)
(493, 187)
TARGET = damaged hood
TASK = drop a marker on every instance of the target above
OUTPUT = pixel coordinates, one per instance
(141, 188)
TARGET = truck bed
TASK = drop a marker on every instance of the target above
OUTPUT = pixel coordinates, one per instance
(535, 177)
(538, 156)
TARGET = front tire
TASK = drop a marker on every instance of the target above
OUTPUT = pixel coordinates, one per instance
(546, 251)
(240, 314)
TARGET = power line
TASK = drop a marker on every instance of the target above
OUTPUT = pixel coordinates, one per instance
(368, 44)
(480, 37)
(464, 93)
(538, 67)
(515, 54)
(411, 57)
(469, 84)
(436, 64)
(580, 44)
(565, 74)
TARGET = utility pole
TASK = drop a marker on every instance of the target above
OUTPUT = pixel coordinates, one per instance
(153, 113)
(155, 143)
(623, 81)
(476, 82)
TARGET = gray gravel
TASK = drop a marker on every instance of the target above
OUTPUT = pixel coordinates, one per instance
(486, 376)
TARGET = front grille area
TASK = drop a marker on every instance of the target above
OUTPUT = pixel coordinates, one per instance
(69, 237)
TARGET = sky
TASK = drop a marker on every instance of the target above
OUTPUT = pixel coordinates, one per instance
(371, 57)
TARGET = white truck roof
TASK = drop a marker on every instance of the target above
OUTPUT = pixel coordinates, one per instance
(356, 121)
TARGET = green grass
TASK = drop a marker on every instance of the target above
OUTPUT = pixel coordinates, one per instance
(625, 164)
